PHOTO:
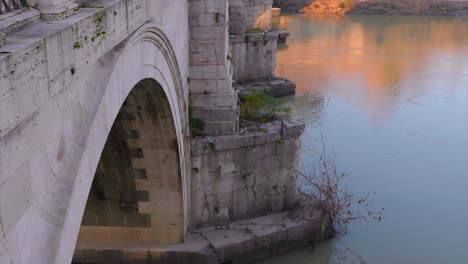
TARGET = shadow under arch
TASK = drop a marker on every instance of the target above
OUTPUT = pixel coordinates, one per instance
(146, 54)
(136, 194)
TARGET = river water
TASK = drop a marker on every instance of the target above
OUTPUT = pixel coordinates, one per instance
(390, 97)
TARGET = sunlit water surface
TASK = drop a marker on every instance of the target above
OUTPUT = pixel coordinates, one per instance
(389, 96)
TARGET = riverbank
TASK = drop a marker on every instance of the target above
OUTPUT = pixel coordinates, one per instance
(400, 7)
(377, 7)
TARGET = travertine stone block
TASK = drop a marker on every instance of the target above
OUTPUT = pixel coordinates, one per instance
(253, 175)
(254, 56)
(210, 65)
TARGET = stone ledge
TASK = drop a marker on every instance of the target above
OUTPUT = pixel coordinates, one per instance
(282, 36)
(277, 87)
(269, 132)
(260, 233)
(17, 19)
(255, 37)
(238, 241)
(36, 33)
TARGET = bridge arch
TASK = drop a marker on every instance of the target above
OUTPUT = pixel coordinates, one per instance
(136, 194)
(143, 66)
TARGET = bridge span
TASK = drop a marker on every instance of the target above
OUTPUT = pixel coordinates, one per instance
(96, 102)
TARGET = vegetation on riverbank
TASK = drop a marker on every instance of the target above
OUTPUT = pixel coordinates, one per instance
(258, 106)
(387, 7)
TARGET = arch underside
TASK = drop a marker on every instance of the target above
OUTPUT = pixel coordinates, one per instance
(136, 195)
(136, 151)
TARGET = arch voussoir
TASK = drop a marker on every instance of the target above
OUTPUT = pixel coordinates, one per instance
(120, 73)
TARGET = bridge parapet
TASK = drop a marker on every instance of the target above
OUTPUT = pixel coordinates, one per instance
(7, 6)
(51, 53)
(50, 9)
(15, 14)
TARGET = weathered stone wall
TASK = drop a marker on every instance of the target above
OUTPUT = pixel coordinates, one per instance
(212, 97)
(61, 86)
(237, 21)
(252, 45)
(254, 56)
(245, 176)
(246, 15)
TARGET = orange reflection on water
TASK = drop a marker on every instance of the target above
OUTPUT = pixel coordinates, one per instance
(376, 59)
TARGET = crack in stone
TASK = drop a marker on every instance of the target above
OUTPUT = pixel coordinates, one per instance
(211, 246)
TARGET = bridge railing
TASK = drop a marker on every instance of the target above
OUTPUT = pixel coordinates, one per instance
(7, 6)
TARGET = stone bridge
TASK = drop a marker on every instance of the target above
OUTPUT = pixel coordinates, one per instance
(96, 99)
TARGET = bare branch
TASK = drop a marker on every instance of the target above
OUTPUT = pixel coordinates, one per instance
(326, 192)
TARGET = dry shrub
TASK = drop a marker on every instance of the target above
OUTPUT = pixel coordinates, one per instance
(326, 191)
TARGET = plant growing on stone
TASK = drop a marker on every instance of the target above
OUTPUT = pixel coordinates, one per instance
(197, 125)
(325, 190)
(255, 31)
(258, 106)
